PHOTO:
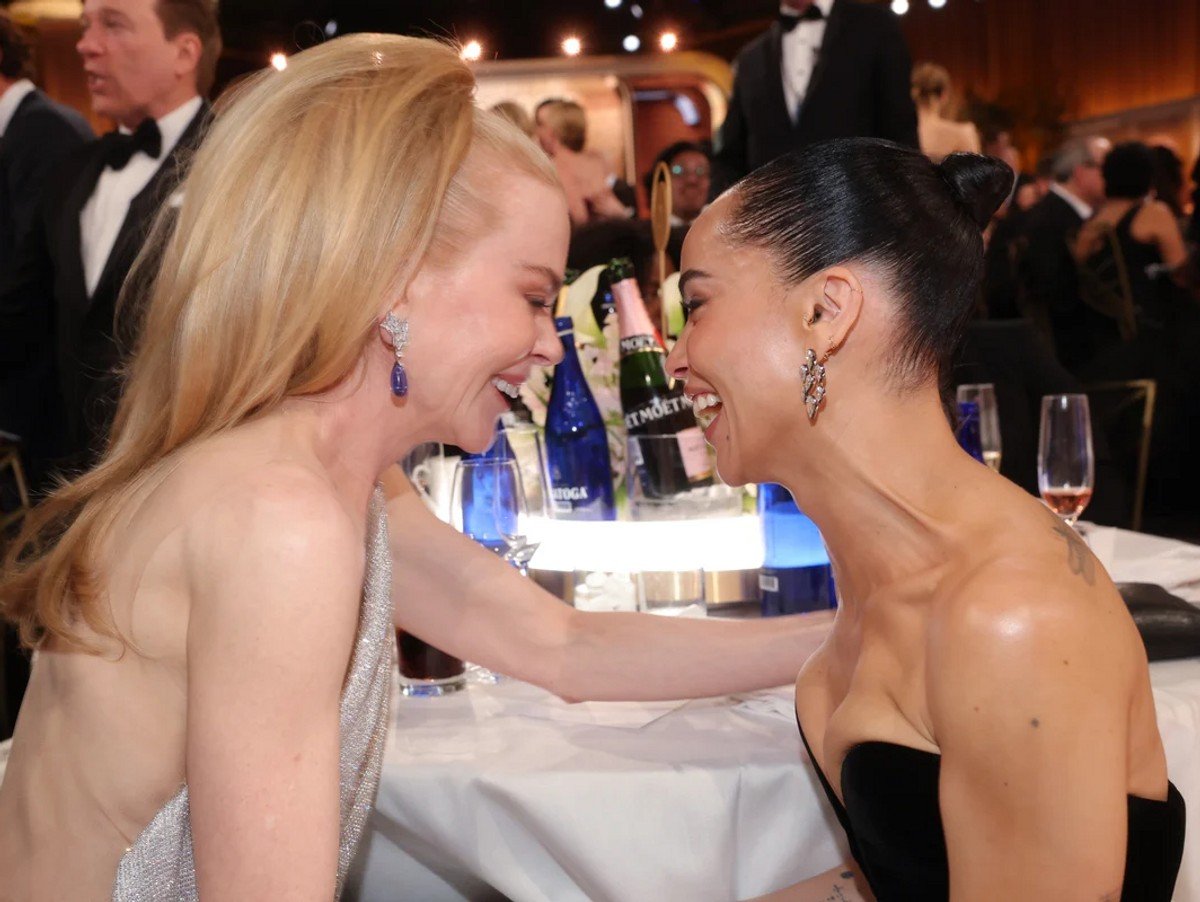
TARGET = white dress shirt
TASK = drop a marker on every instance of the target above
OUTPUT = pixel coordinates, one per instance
(1084, 211)
(799, 57)
(11, 99)
(102, 216)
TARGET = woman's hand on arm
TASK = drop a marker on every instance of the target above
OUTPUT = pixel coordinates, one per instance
(461, 598)
(276, 575)
(1030, 708)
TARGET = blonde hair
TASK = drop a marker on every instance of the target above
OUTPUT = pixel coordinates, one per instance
(929, 82)
(568, 122)
(317, 194)
(515, 113)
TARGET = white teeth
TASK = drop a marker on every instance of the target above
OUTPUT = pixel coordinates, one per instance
(704, 408)
(506, 387)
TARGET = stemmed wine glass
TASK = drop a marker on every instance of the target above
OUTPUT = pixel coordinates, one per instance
(1066, 462)
(490, 504)
(500, 504)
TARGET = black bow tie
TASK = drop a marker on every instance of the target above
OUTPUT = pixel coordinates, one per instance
(119, 148)
(788, 20)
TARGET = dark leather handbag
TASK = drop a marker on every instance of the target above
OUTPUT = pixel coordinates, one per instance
(1170, 626)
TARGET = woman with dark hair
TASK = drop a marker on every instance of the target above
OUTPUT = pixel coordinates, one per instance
(980, 714)
(1133, 265)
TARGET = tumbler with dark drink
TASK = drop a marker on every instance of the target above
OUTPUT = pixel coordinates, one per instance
(426, 670)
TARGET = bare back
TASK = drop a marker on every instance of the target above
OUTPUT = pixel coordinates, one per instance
(117, 724)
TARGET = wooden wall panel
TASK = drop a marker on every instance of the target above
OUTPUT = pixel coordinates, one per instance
(1088, 58)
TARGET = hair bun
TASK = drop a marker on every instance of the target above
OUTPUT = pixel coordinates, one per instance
(979, 184)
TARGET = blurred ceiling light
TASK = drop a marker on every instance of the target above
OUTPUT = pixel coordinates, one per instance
(668, 41)
(612, 4)
(331, 28)
(937, 4)
(899, 7)
(635, 11)
(471, 51)
(631, 43)
(279, 61)
(572, 46)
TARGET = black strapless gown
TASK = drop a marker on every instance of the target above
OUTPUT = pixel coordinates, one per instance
(894, 826)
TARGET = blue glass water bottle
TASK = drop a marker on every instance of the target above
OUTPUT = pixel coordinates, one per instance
(581, 485)
(489, 495)
(796, 575)
(968, 429)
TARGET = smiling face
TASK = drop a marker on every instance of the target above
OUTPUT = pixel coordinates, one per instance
(742, 345)
(484, 317)
(133, 69)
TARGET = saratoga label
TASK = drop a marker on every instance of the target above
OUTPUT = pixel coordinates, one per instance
(569, 493)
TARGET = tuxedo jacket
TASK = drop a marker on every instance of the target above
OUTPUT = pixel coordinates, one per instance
(40, 135)
(1050, 281)
(859, 87)
(49, 324)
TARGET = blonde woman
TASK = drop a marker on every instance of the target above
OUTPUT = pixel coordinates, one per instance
(561, 128)
(939, 136)
(212, 604)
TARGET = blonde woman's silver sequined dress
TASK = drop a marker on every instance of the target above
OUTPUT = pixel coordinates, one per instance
(160, 866)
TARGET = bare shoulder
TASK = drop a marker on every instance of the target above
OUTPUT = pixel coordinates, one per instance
(286, 507)
(276, 546)
(1036, 610)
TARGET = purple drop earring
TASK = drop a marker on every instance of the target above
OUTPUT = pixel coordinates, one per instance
(398, 329)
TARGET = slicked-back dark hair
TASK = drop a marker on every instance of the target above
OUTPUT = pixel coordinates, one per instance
(917, 223)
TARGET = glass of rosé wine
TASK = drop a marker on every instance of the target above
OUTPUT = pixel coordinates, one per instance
(1066, 462)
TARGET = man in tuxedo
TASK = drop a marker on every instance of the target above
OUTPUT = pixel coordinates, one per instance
(1046, 270)
(825, 69)
(36, 134)
(148, 64)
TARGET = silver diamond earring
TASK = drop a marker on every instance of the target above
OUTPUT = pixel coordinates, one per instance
(398, 329)
(813, 375)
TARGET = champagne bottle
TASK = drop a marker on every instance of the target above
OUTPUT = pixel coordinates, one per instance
(581, 486)
(652, 404)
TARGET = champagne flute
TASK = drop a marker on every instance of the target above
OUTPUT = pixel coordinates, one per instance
(984, 395)
(1066, 462)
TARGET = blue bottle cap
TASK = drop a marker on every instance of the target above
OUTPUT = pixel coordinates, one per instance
(564, 324)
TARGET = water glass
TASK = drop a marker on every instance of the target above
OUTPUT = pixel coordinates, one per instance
(984, 396)
(676, 593)
(1066, 461)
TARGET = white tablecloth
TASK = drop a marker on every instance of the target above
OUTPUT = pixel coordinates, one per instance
(504, 791)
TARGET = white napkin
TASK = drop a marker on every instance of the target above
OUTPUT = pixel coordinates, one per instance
(779, 703)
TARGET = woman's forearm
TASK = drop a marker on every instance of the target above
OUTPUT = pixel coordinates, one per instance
(642, 657)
